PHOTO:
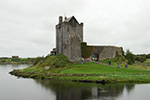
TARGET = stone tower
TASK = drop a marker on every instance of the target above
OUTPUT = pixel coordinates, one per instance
(69, 35)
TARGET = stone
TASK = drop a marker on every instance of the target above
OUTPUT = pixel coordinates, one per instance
(46, 68)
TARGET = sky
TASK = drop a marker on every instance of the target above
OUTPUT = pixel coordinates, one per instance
(27, 27)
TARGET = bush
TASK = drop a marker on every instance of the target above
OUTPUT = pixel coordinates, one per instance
(123, 53)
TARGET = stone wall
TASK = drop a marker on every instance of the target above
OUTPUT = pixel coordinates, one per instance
(105, 52)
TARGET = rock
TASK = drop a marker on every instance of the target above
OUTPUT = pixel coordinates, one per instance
(100, 89)
(47, 68)
(48, 73)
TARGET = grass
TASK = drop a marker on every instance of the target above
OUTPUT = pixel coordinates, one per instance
(62, 69)
(94, 68)
(147, 61)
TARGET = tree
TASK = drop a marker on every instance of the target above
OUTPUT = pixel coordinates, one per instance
(130, 57)
(123, 53)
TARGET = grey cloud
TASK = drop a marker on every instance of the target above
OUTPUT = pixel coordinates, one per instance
(27, 27)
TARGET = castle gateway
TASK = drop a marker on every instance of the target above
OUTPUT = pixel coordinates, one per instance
(69, 42)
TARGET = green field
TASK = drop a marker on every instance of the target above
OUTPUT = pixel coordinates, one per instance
(61, 69)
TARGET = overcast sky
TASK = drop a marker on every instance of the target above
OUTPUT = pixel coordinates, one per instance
(27, 27)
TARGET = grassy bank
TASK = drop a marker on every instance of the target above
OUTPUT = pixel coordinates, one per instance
(58, 67)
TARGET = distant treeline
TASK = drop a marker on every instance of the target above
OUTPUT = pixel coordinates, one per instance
(146, 55)
(142, 57)
(7, 60)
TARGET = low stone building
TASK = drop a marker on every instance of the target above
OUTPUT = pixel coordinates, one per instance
(15, 57)
(69, 42)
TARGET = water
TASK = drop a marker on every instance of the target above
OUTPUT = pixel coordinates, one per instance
(12, 88)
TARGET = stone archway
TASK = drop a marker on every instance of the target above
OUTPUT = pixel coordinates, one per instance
(95, 56)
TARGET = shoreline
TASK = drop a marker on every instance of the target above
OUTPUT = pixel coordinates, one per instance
(56, 78)
(78, 77)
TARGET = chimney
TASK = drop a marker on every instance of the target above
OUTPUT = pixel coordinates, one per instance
(60, 19)
(65, 18)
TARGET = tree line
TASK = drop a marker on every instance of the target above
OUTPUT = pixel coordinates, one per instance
(132, 57)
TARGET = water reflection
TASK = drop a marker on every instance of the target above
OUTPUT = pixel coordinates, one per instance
(81, 91)
(12, 88)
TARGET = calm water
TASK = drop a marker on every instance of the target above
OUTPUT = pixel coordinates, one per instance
(12, 88)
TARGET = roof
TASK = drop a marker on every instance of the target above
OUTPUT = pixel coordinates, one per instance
(68, 19)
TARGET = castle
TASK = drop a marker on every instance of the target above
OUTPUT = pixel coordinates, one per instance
(69, 42)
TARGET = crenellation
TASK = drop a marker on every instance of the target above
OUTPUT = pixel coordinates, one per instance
(60, 19)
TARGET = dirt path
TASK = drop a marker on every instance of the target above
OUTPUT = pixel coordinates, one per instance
(105, 64)
(119, 67)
